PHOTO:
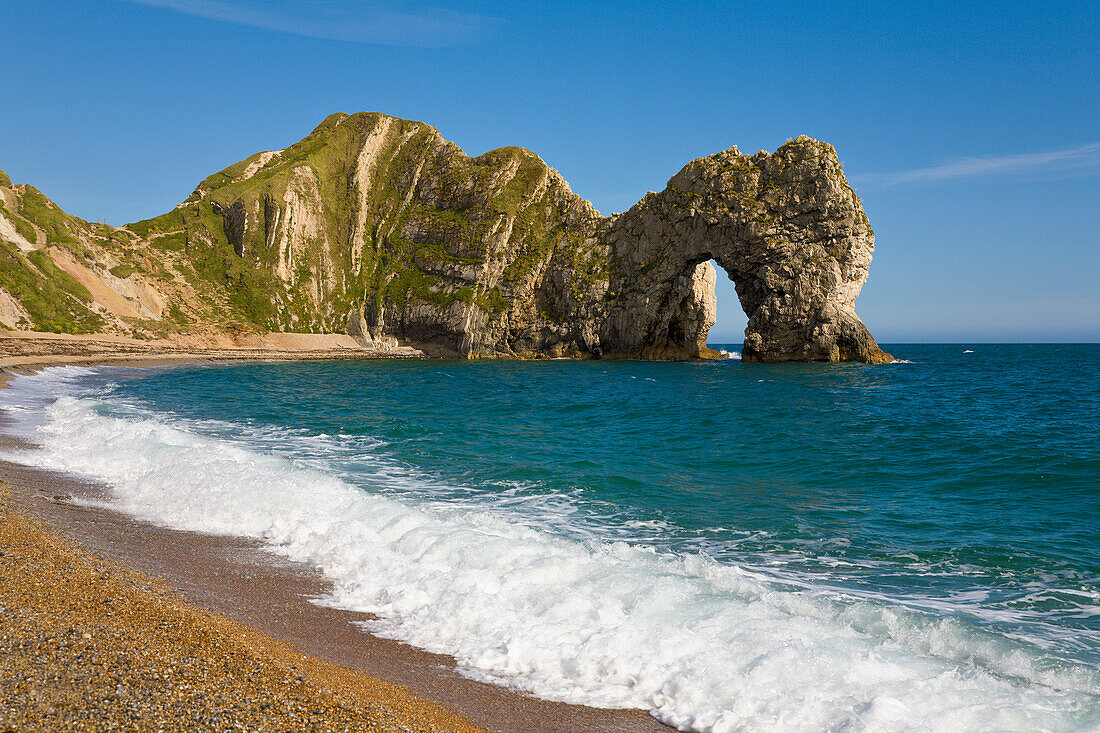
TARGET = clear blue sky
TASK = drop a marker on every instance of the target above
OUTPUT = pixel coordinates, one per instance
(971, 130)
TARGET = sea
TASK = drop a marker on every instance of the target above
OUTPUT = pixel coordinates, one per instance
(731, 546)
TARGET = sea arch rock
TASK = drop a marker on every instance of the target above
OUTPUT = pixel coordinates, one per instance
(787, 229)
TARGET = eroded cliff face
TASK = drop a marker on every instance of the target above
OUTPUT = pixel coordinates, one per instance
(380, 228)
(62, 274)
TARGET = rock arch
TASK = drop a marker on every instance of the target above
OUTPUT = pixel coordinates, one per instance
(787, 229)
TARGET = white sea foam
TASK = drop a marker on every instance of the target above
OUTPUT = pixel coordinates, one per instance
(736, 355)
(703, 645)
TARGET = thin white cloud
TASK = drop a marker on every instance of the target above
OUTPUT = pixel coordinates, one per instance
(354, 21)
(1059, 161)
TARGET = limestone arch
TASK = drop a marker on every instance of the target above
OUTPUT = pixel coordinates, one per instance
(786, 228)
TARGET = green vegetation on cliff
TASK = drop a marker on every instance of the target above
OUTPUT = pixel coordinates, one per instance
(58, 226)
(370, 209)
(53, 299)
(23, 227)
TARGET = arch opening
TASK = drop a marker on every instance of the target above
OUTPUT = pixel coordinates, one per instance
(728, 332)
(704, 315)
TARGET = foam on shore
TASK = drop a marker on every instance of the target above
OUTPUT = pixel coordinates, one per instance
(704, 645)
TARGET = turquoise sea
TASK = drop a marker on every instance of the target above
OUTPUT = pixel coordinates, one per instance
(733, 546)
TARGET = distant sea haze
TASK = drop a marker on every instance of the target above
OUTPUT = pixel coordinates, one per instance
(732, 546)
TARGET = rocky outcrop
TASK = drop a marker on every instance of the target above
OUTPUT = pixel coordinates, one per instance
(786, 228)
(379, 228)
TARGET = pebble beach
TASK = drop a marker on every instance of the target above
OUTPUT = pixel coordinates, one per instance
(86, 644)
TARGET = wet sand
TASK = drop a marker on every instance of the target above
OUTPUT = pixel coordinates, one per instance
(258, 593)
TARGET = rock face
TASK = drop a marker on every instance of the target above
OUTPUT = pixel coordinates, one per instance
(380, 228)
(787, 229)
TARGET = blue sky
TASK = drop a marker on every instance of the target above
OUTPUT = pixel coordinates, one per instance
(970, 130)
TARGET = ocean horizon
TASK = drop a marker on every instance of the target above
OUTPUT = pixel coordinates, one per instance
(730, 546)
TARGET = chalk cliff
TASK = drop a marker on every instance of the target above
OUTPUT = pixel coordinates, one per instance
(380, 228)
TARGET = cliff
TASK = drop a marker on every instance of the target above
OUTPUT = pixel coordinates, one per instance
(380, 228)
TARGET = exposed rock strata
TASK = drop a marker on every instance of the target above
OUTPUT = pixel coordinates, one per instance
(380, 228)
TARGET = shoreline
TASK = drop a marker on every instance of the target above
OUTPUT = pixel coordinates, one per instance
(241, 583)
(23, 349)
(88, 644)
